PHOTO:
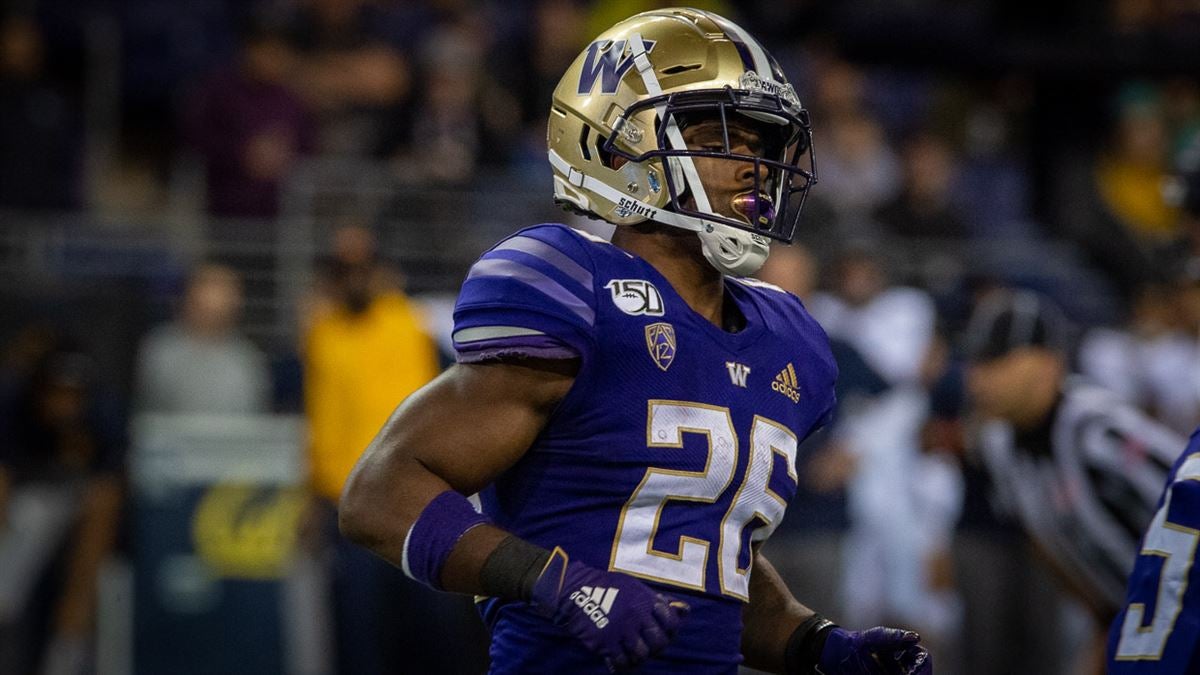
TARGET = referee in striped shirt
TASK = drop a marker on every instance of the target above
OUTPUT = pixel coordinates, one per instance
(1079, 468)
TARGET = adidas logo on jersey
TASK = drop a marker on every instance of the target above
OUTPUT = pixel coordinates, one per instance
(596, 602)
(787, 384)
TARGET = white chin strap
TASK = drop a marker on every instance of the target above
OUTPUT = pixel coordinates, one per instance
(734, 251)
(729, 249)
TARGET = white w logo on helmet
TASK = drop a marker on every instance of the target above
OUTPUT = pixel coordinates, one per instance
(606, 60)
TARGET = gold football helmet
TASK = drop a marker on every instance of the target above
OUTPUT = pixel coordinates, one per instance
(629, 95)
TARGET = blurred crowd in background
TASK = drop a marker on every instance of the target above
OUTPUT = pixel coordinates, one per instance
(236, 208)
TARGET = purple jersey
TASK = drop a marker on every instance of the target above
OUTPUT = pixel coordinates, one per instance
(674, 450)
(1159, 628)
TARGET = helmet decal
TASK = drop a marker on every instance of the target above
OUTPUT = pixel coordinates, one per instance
(607, 61)
(750, 81)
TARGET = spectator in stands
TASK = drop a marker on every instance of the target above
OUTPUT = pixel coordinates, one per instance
(1187, 251)
(839, 87)
(1184, 250)
(527, 65)
(364, 351)
(859, 167)
(1114, 206)
(993, 183)
(449, 137)
(925, 208)
(1181, 115)
(1131, 175)
(354, 73)
(201, 363)
(40, 128)
(1154, 361)
(61, 491)
(249, 126)
(857, 162)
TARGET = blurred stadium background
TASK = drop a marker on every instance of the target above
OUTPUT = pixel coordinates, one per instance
(254, 150)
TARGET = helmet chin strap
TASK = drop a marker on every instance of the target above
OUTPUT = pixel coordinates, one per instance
(645, 209)
(734, 251)
(730, 250)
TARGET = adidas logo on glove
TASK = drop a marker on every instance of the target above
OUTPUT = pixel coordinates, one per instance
(596, 602)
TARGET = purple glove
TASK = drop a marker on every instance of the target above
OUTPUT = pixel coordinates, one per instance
(877, 651)
(615, 616)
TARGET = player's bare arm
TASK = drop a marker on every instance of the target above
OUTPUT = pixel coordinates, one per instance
(458, 433)
(770, 618)
(404, 500)
(780, 635)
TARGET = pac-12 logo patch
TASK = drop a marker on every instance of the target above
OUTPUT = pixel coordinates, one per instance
(607, 61)
(660, 340)
(636, 297)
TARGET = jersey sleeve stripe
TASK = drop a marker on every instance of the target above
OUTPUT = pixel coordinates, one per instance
(510, 269)
(479, 333)
(549, 254)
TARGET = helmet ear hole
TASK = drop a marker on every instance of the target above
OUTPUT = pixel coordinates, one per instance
(608, 159)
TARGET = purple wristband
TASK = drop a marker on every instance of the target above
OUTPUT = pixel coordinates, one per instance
(439, 527)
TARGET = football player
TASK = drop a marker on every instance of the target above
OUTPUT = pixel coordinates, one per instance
(1078, 467)
(630, 412)
(1158, 629)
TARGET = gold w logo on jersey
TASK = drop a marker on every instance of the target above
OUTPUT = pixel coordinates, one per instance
(787, 384)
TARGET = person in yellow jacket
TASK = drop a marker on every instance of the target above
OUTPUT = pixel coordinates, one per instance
(363, 354)
(364, 351)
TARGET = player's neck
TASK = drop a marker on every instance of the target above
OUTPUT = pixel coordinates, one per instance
(676, 254)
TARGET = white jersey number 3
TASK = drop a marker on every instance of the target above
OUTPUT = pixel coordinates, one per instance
(1177, 545)
(633, 549)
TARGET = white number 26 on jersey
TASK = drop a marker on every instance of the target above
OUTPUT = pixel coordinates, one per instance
(633, 550)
